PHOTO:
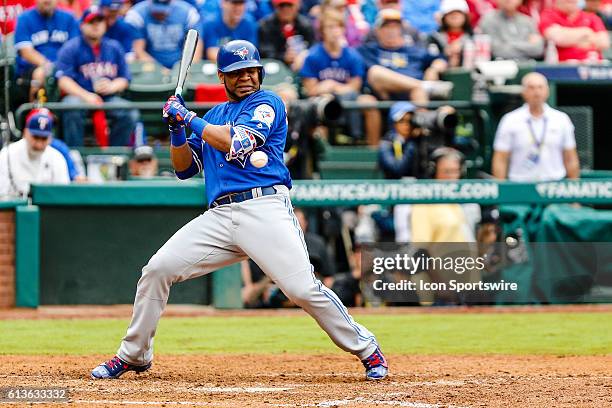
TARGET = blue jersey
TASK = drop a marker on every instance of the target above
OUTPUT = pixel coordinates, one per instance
(164, 38)
(256, 9)
(45, 34)
(122, 33)
(216, 33)
(63, 148)
(78, 61)
(261, 113)
(411, 61)
(320, 65)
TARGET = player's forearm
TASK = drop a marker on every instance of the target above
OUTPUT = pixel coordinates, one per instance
(218, 137)
(32, 56)
(181, 157)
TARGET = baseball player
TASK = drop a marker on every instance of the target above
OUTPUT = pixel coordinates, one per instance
(250, 216)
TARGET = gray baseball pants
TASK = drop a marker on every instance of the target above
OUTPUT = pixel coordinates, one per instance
(264, 229)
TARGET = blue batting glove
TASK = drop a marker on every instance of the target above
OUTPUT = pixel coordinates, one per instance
(174, 112)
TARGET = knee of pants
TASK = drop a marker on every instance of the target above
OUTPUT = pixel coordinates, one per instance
(301, 295)
(160, 268)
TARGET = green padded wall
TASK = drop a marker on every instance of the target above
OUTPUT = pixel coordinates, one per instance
(94, 255)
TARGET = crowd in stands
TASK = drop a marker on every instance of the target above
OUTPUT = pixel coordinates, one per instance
(356, 50)
(359, 50)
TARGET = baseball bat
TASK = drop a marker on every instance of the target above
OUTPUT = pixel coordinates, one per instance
(189, 47)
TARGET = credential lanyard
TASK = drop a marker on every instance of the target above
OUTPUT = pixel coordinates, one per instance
(538, 143)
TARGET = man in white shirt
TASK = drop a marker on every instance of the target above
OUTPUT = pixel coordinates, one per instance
(535, 142)
(31, 159)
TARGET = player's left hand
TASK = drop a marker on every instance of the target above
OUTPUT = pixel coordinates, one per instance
(175, 111)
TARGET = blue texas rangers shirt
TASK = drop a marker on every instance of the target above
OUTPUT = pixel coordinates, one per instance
(320, 65)
(216, 33)
(46, 34)
(261, 113)
(164, 38)
(79, 61)
(408, 60)
(121, 32)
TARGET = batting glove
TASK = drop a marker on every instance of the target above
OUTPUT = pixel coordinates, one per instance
(175, 111)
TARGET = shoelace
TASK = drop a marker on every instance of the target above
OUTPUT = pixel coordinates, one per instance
(374, 360)
(114, 362)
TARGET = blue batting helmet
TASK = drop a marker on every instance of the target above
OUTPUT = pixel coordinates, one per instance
(239, 54)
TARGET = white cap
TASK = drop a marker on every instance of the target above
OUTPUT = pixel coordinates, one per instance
(453, 5)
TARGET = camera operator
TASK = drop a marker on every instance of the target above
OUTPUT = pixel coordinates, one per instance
(406, 149)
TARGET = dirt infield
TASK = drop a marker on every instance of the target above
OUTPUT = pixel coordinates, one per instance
(325, 381)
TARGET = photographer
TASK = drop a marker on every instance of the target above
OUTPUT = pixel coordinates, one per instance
(414, 135)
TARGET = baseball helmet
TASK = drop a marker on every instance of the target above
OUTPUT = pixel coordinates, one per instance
(239, 54)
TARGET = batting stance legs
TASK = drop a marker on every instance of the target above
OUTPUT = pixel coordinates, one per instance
(264, 229)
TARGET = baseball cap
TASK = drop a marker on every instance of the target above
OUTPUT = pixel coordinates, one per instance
(91, 14)
(453, 5)
(112, 4)
(386, 16)
(40, 123)
(143, 152)
(399, 109)
(279, 2)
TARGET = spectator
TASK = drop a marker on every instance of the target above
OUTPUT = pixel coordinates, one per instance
(440, 224)
(75, 7)
(479, 9)
(356, 27)
(234, 24)
(333, 68)
(411, 35)
(578, 35)
(40, 33)
(534, 8)
(159, 30)
(92, 69)
(421, 14)
(594, 6)
(513, 35)
(285, 34)
(144, 163)
(256, 9)
(454, 30)
(116, 27)
(535, 142)
(31, 160)
(396, 156)
(445, 222)
(10, 13)
(396, 70)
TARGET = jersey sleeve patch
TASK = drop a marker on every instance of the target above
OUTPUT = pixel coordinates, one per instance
(264, 113)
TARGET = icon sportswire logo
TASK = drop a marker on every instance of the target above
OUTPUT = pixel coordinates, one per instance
(242, 52)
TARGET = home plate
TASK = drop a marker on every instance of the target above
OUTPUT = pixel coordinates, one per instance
(242, 389)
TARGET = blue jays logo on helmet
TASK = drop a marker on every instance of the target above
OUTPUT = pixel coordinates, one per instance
(239, 54)
(242, 52)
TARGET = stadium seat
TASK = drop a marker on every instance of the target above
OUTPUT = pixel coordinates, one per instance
(150, 81)
(350, 163)
(277, 73)
(7, 47)
(582, 118)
